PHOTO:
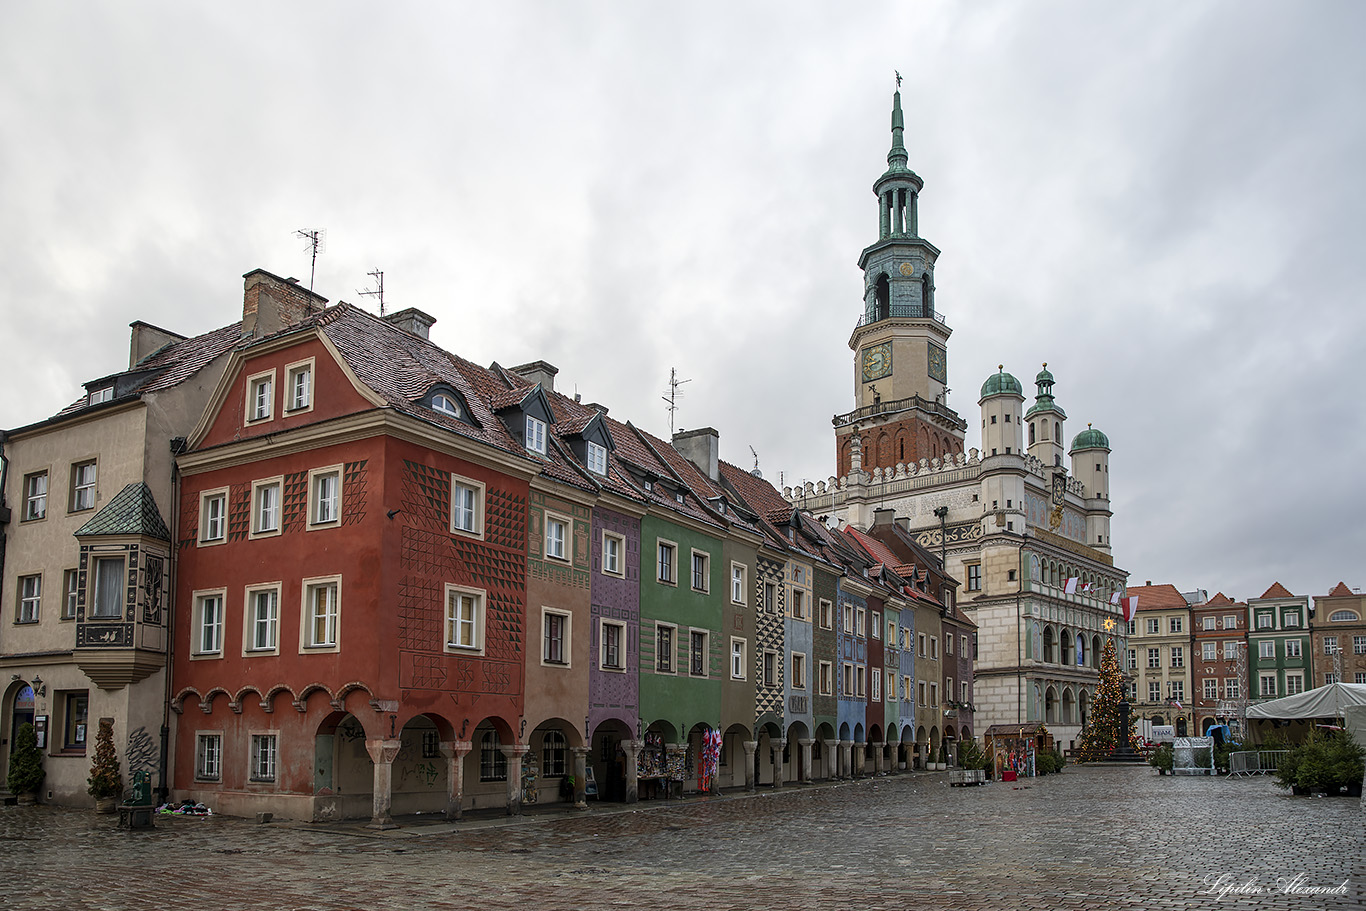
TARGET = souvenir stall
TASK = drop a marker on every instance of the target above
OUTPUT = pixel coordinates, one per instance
(1013, 748)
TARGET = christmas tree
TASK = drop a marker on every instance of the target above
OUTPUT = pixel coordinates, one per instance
(1110, 724)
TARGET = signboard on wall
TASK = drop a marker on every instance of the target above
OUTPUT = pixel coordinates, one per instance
(40, 729)
(1164, 733)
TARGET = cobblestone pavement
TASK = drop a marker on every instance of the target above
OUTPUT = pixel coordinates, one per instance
(1092, 838)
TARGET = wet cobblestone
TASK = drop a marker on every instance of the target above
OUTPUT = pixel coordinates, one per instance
(1095, 838)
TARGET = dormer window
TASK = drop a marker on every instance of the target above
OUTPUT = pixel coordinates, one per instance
(446, 405)
(678, 497)
(101, 395)
(535, 434)
(597, 458)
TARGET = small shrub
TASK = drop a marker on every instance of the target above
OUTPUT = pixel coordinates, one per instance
(1162, 758)
(25, 763)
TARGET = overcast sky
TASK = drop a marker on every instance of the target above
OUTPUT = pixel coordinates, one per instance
(1162, 200)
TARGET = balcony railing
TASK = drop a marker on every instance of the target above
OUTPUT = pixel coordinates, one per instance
(899, 311)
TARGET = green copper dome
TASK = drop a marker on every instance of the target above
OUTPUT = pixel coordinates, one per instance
(1090, 438)
(1002, 382)
(1044, 378)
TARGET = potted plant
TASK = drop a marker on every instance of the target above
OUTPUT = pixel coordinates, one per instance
(1162, 759)
(1323, 765)
(943, 756)
(25, 766)
(106, 784)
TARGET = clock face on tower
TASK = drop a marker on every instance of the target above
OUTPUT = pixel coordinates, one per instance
(939, 369)
(877, 361)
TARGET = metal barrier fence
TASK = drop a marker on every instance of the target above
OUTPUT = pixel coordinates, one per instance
(1246, 763)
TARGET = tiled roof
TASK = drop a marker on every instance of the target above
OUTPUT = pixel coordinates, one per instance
(1157, 597)
(1341, 591)
(133, 511)
(1219, 600)
(1277, 590)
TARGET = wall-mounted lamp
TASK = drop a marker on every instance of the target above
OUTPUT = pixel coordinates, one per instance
(39, 687)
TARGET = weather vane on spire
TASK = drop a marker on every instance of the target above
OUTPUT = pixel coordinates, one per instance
(898, 79)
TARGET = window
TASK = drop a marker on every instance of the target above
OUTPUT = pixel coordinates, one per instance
(446, 405)
(35, 496)
(1154, 657)
(556, 531)
(848, 617)
(906, 687)
(1230, 650)
(1360, 677)
(1292, 620)
(99, 396)
(1263, 621)
(260, 396)
(798, 671)
(1231, 621)
(324, 492)
(861, 680)
(555, 626)
(464, 619)
(1330, 645)
(1266, 649)
(109, 587)
(30, 598)
(1343, 616)
(701, 572)
(1329, 679)
(1131, 628)
(737, 658)
(770, 668)
(1209, 651)
(263, 619)
(876, 694)
(920, 692)
(1175, 624)
(75, 712)
(208, 623)
(665, 566)
(535, 434)
(83, 486)
(1154, 690)
(737, 584)
(770, 598)
(860, 621)
(798, 604)
(265, 510)
(299, 386)
(263, 748)
(974, 583)
(493, 765)
(697, 664)
(963, 646)
(1178, 656)
(70, 587)
(848, 688)
(934, 648)
(1268, 685)
(1133, 659)
(891, 633)
(664, 648)
(1292, 648)
(322, 613)
(948, 643)
(467, 506)
(1207, 623)
(920, 647)
(1359, 645)
(553, 749)
(597, 458)
(1294, 683)
(208, 757)
(213, 516)
(826, 678)
(612, 546)
(1176, 690)
(1232, 689)
(1211, 688)
(611, 654)
(963, 692)
(1152, 626)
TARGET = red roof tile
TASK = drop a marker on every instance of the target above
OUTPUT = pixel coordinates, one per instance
(1277, 590)
(1341, 591)
(1157, 597)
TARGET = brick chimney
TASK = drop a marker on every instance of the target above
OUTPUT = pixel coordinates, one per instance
(538, 372)
(148, 339)
(271, 303)
(883, 517)
(702, 447)
(413, 321)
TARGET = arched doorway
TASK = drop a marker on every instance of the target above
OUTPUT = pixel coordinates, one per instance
(607, 758)
(548, 768)
(797, 759)
(343, 772)
(822, 765)
(1050, 705)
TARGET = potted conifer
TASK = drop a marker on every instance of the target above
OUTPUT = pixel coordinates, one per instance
(25, 766)
(106, 784)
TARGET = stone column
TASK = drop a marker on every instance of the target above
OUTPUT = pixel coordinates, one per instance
(879, 751)
(750, 746)
(580, 777)
(455, 752)
(832, 760)
(807, 755)
(382, 754)
(514, 756)
(777, 747)
(632, 750)
(846, 759)
(857, 760)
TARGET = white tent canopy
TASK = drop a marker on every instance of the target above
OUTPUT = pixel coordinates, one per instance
(1325, 702)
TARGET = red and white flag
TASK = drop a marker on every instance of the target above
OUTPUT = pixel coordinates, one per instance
(1071, 586)
(1087, 587)
(1114, 599)
(1130, 606)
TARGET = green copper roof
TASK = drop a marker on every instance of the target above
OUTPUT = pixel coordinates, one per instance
(896, 158)
(1090, 438)
(1001, 382)
(1044, 378)
(1046, 403)
(132, 512)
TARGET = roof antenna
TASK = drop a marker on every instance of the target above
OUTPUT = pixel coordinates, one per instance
(317, 243)
(673, 396)
(378, 291)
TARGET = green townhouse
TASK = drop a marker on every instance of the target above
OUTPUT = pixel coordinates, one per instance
(1278, 645)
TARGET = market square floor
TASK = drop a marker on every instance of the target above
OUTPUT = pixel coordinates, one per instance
(1094, 837)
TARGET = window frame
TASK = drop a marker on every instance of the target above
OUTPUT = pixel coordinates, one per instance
(197, 650)
(254, 529)
(475, 622)
(29, 606)
(96, 587)
(478, 491)
(269, 742)
(604, 625)
(93, 487)
(1264, 646)
(1178, 656)
(972, 577)
(694, 634)
(253, 413)
(251, 620)
(769, 668)
(827, 610)
(201, 772)
(565, 541)
(1294, 648)
(739, 576)
(666, 570)
(670, 654)
(35, 504)
(308, 616)
(704, 558)
(826, 677)
(217, 494)
(293, 371)
(738, 664)
(71, 592)
(1176, 624)
(770, 598)
(611, 537)
(797, 670)
(75, 726)
(534, 430)
(549, 616)
(316, 478)
(595, 455)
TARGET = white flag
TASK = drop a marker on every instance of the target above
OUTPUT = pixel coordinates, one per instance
(1071, 586)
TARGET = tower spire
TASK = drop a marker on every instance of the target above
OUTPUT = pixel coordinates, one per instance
(896, 158)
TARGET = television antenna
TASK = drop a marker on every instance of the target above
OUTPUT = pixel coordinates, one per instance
(673, 396)
(317, 243)
(378, 291)
(756, 458)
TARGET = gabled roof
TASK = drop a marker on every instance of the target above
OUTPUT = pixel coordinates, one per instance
(1277, 590)
(133, 511)
(1341, 591)
(1157, 597)
(1219, 600)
